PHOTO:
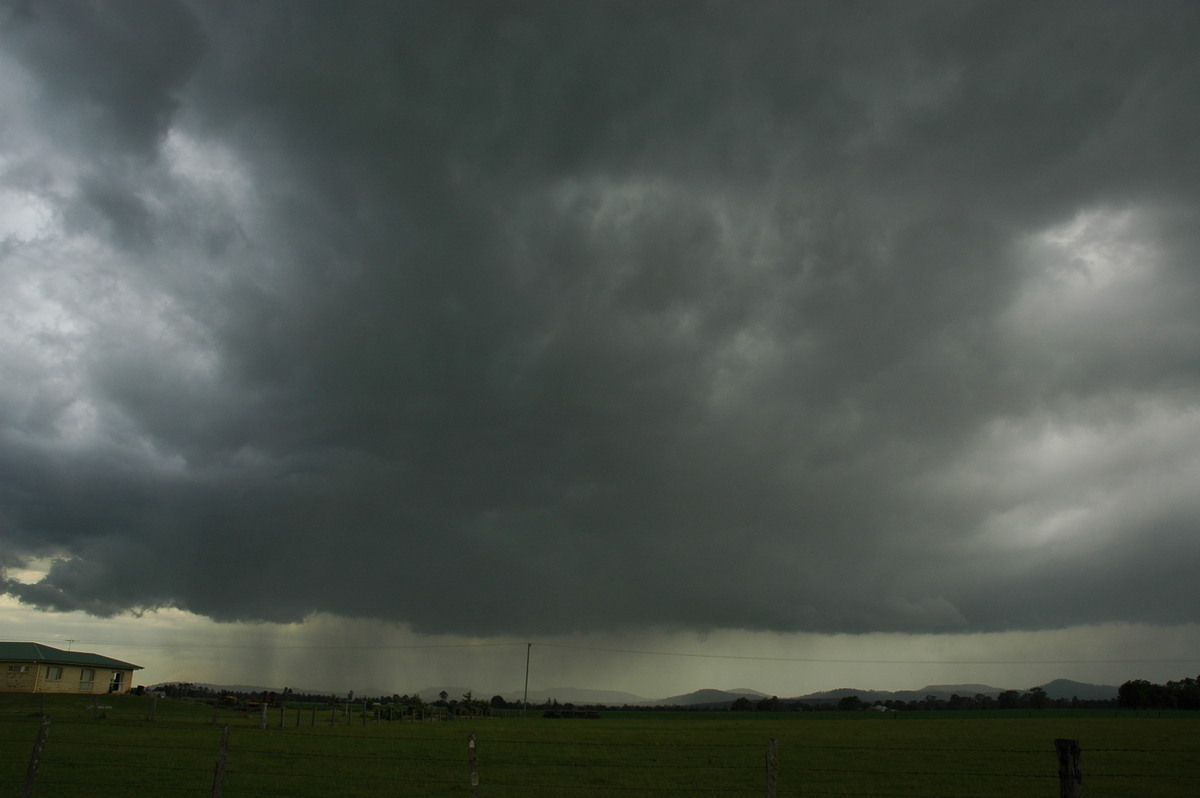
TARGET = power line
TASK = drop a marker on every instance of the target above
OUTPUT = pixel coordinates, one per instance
(290, 647)
(822, 660)
(642, 652)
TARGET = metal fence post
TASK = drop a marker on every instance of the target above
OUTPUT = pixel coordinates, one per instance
(219, 770)
(473, 765)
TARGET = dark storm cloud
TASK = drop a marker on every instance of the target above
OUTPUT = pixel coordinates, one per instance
(556, 317)
(111, 69)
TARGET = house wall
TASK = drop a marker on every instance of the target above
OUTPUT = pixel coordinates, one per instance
(15, 680)
(47, 678)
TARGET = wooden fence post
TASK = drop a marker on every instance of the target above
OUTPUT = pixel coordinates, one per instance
(772, 766)
(35, 759)
(219, 770)
(473, 764)
(1070, 777)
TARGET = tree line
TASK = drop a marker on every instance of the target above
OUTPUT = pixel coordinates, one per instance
(1141, 694)
(1133, 694)
(1035, 698)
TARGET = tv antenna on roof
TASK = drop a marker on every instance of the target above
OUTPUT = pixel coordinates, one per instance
(69, 644)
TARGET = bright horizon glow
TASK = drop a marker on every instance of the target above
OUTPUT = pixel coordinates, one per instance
(327, 653)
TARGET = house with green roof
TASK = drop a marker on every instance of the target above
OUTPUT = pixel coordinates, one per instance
(35, 668)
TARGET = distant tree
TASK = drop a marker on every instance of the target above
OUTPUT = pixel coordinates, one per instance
(1037, 698)
(1141, 694)
(768, 704)
(1188, 693)
(498, 702)
(742, 704)
(472, 705)
(959, 702)
(850, 703)
(1009, 699)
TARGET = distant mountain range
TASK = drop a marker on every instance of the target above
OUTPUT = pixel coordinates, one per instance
(710, 698)
(716, 699)
(1059, 688)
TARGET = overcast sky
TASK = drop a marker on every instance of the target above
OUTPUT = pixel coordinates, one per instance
(716, 326)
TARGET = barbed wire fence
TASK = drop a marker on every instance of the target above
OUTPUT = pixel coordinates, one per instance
(69, 758)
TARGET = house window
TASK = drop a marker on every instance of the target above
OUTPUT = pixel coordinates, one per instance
(54, 673)
(117, 678)
(86, 677)
(18, 668)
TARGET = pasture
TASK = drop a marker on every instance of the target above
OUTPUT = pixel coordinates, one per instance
(134, 746)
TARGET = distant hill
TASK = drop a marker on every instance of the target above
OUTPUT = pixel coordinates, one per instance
(1065, 688)
(707, 698)
(833, 696)
(939, 691)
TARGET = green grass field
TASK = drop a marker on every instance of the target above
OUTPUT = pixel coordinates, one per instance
(116, 749)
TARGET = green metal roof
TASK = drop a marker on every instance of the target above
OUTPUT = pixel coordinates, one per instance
(36, 652)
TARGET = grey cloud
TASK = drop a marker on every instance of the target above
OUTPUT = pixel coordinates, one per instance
(111, 71)
(560, 318)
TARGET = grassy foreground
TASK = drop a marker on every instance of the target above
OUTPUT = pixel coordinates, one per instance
(124, 745)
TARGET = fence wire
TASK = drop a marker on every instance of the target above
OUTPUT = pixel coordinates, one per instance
(101, 758)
